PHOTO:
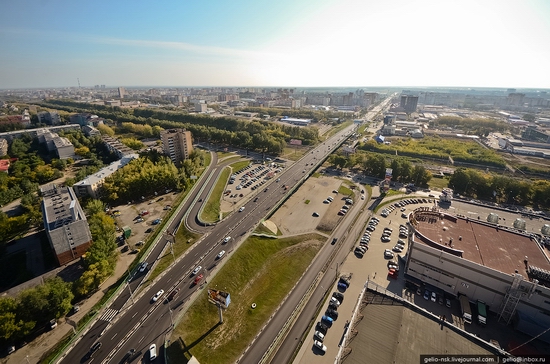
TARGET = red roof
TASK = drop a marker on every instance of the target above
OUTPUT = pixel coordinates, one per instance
(4, 165)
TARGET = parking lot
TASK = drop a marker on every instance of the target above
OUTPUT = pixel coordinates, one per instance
(142, 218)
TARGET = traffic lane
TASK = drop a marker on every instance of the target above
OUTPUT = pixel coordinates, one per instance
(306, 317)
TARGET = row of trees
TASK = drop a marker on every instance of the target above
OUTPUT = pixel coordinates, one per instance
(204, 127)
(477, 126)
(374, 164)
(501, 189)
(438, 148)
(34, 307)
(149, 174)
(100, 259)
(316, 115)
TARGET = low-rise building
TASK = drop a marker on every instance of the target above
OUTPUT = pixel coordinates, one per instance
(3, 147)
(116, 147)
(65, 223)
(91, 185)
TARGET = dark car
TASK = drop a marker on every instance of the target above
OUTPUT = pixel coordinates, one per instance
(321, 327)
(128, 355)
(148, 230)
(173, 294)
(332, 314)
(334, 240)
(95, 347)
(345, 281)
(333, 306)
(339, 296)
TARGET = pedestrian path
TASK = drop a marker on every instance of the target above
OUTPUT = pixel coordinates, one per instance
(108, 315)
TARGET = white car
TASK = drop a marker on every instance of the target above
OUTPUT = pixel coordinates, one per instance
(335, 301)
(220, 254)
(241, 209)
(157, 295)
(362, 197)
(319, 335)
(388, 254)
(143, 267)
(196, 270)
(319, 345)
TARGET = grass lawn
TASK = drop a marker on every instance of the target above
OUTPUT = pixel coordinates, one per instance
(345, 191)
(239, 165)
(294, 153)
(439, 183)
(211, 211)
(261, 271)
(338, 128)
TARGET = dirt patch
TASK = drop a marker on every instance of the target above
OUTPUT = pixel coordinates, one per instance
(295, 216)
(270, 225)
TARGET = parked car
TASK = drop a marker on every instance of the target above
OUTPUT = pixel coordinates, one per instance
(388, 254)
(319, 336)
(315, 214)
(426, 295)
(321, 327)
(319, 345)
(448, 303)
(339, 296)
(434, 297)
(327, 321)
(332, 314)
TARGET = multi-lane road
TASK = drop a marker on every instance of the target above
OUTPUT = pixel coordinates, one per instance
(135, 322)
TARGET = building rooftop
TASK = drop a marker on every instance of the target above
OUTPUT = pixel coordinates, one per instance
(485, 244)
(107, 171)
(60, 206)
(393, 333)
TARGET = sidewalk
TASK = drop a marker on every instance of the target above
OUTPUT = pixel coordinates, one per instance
(32, 352)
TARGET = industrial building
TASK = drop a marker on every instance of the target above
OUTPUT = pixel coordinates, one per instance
(65, 223)
(506, 268)
(296, 121)
(91, 185)
(177, 143)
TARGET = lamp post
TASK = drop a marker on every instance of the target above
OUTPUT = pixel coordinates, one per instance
(129, 289)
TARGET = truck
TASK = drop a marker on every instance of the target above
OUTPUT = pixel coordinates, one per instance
(465, 307)
(126, 232)
(481, 312)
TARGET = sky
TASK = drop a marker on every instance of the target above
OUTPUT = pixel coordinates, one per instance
(292, 43)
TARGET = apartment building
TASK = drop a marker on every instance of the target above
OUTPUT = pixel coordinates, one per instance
(177, 143)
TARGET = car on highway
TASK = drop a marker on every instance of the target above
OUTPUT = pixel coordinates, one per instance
(334, 240)
(158, 295)
(241, 209)
(143, 267)
(95, 347)
(220, 254)
(128, 355)
(198, 279)
(173, 294)
(196, 270)
(319, 345)
(226, 240)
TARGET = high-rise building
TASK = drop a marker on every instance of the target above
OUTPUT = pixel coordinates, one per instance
(177, 143)
(65, 223)
(409, 103)
(121, 92)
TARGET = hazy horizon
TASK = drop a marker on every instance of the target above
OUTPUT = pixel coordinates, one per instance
(289, 43)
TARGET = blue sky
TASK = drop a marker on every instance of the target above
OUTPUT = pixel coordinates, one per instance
(478, 43)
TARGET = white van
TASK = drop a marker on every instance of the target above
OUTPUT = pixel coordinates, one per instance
(152, 352)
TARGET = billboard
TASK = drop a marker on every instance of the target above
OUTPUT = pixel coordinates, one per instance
(219, 297)
(295, 142)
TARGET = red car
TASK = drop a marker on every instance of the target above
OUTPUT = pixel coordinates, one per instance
(198, 279)
(145, 212)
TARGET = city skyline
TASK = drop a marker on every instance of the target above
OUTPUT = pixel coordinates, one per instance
(305, 43)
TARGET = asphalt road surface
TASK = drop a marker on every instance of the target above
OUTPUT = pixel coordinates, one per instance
(137, 322)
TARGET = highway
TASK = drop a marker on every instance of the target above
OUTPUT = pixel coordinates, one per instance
(136, 323)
